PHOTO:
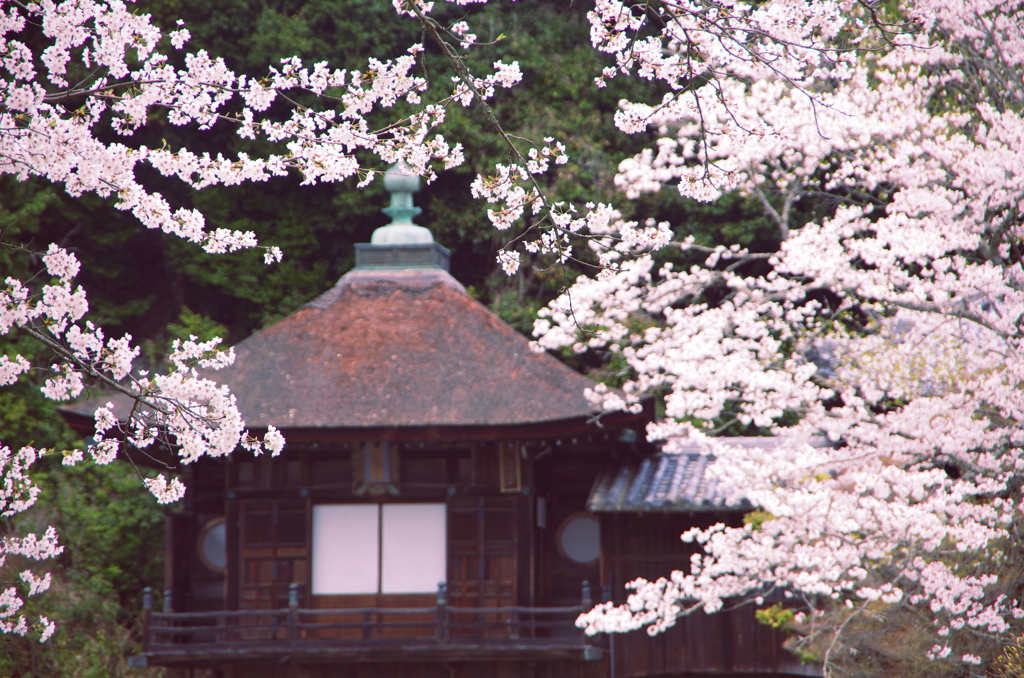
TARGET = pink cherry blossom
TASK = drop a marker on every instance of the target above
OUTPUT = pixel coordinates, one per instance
(921, 401)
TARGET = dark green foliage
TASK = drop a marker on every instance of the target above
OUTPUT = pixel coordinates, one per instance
(112, 534)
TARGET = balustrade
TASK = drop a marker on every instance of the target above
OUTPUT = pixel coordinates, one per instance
(439, 629)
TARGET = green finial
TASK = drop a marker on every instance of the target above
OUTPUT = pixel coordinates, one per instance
(401, 184)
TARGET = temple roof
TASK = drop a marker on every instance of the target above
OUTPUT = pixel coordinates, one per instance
(394, 348)
(663, 482)
(676, 481)
(397, 343)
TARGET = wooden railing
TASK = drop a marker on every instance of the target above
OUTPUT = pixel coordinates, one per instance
(436, 629)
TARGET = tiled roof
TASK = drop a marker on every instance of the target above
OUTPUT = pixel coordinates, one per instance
(664, 482)
(669, 482)
(395, 348)
(399, 348)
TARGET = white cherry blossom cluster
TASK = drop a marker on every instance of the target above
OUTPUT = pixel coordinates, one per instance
(17, 494)
(506, 188)
(513, 189)
(181, 409)
(892, 326)
(461, 29)
(504, 75)
(515, 192)
(164, 491)
(129, 77)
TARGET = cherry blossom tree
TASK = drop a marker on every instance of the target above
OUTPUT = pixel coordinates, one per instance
(891, 324)
(79, 79)
(884, 143)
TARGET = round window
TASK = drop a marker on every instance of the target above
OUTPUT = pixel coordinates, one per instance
(213, 541)
(579, 538)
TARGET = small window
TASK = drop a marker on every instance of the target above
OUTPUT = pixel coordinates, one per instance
(378, 548)
(579, 538)
(212, 545)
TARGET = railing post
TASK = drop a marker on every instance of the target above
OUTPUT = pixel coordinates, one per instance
(513, 624)
(168, 601)
(147, 612)
(590, 653)
(442, 611)
(293, 612)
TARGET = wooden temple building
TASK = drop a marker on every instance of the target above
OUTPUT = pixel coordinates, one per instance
(446, 504)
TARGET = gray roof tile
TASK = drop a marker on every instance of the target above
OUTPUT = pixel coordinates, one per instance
(669, 482)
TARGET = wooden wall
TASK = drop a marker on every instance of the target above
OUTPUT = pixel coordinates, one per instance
(268, 505)
(498, 554)
(722, 644)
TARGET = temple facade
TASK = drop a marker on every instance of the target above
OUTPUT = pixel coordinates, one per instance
(447, 504)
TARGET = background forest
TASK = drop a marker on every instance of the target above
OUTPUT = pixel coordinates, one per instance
(156, 287)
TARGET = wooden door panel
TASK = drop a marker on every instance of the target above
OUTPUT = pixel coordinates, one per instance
(482, 563)
(273, 551)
